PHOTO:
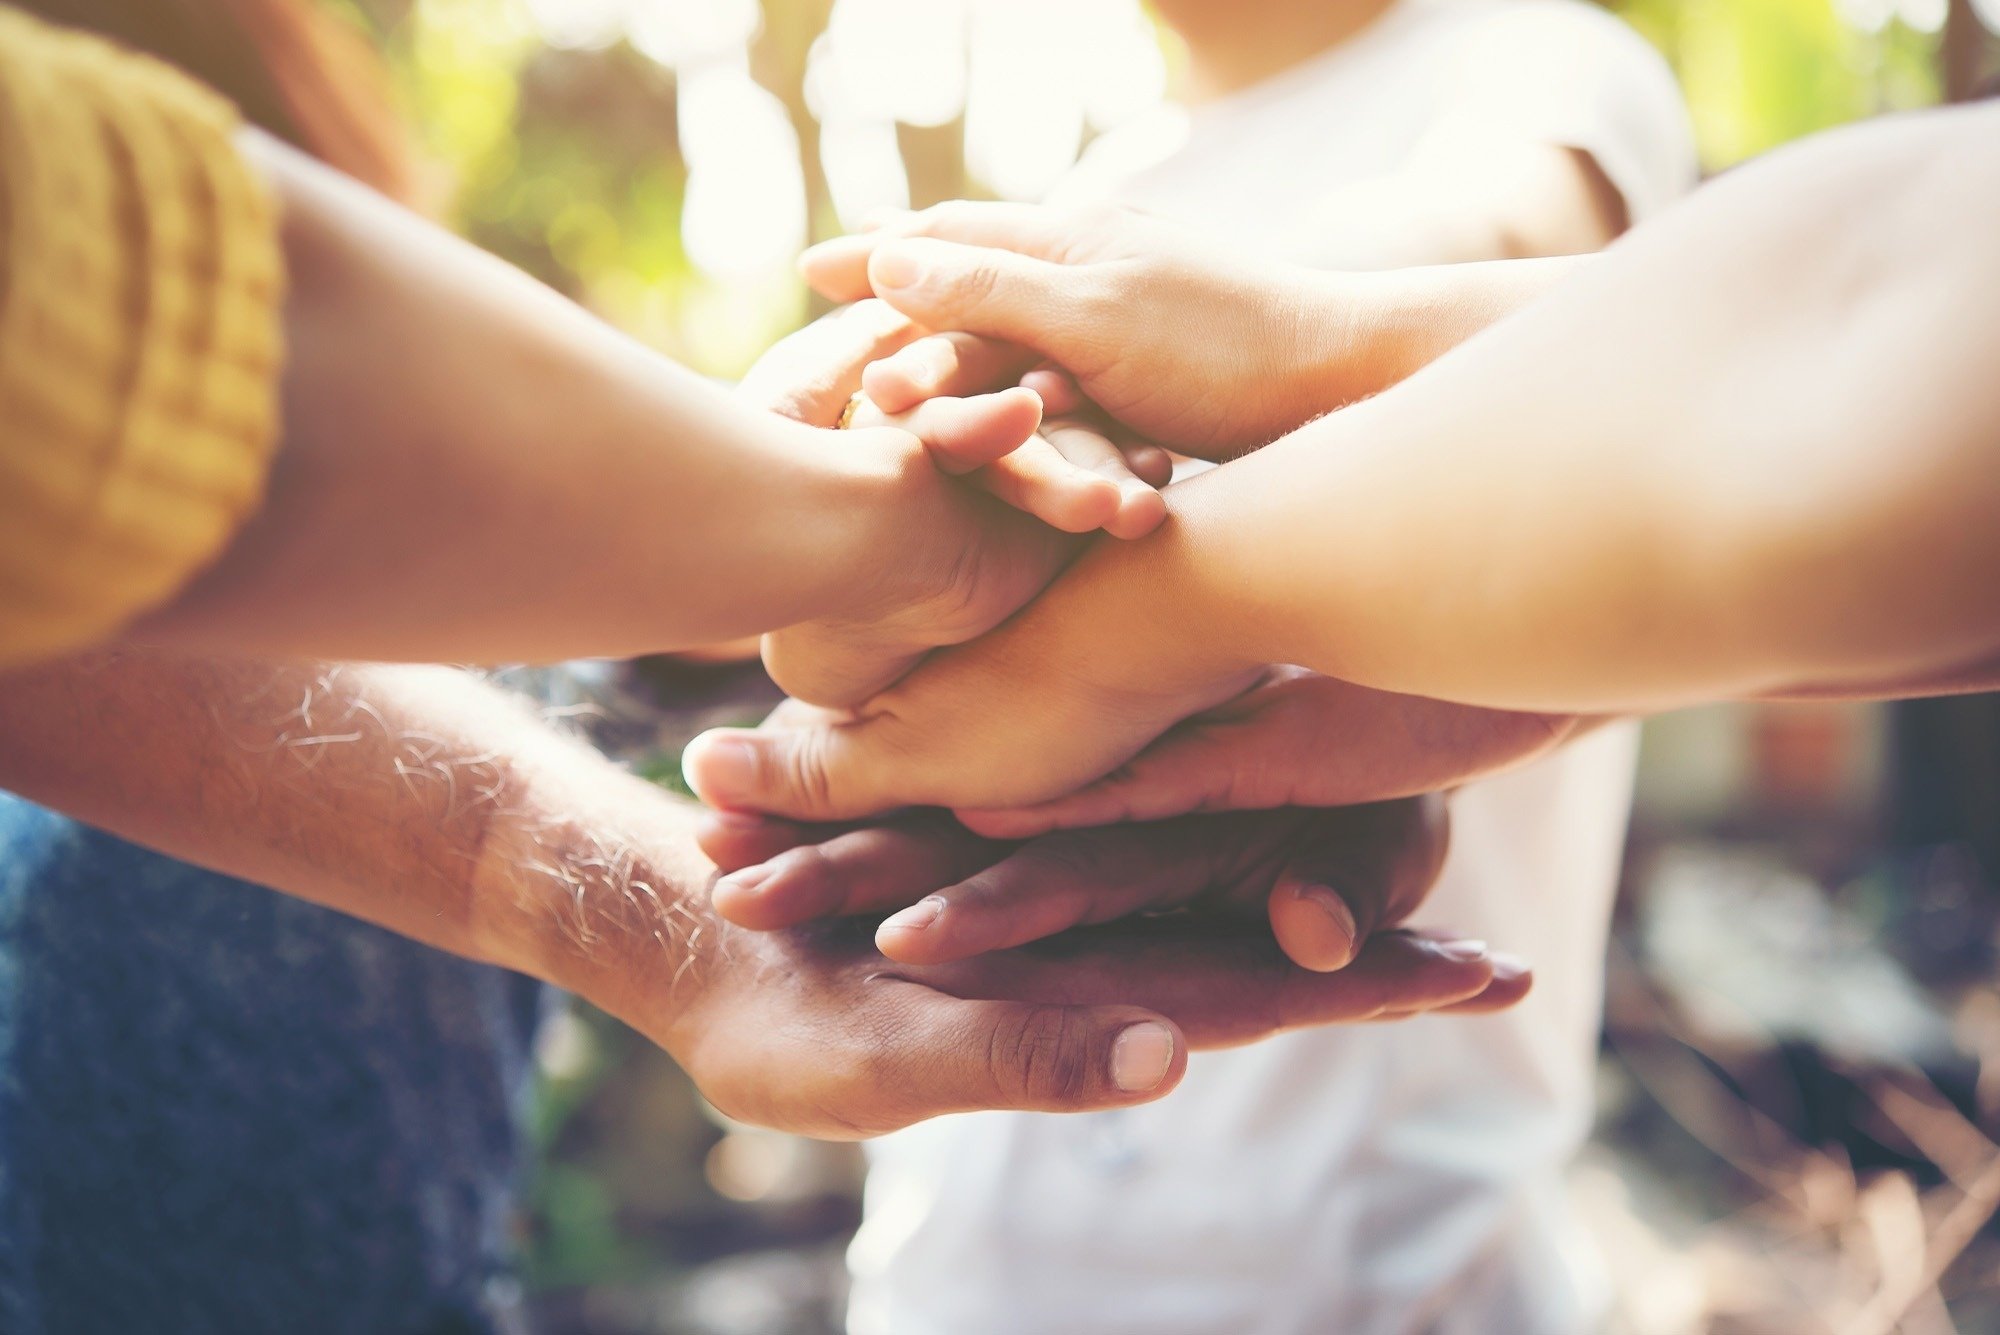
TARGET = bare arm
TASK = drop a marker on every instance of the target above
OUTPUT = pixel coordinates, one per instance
(425, 801)
(1755, 449)
(474, 469)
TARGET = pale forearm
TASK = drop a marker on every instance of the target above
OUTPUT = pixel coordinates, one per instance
(1756, 448)
(417, 798)
(1397, 322)
(474, 469)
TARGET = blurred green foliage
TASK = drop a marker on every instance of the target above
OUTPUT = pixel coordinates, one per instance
(1758, 73)
(566, 162)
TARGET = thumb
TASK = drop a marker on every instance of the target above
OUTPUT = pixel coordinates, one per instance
(822, 773)
(1050, 308)
(1363, 870)
(1039, 1058)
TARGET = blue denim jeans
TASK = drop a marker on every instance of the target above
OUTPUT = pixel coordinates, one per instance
(224, 1110)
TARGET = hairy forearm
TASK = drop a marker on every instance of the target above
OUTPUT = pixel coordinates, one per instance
(474, 469)
(417, 798)
(1754, 449)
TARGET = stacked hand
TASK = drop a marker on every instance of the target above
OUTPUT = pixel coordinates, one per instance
(1159, 332)
(1001, 536)
(1097, 1017)
(1018, 729)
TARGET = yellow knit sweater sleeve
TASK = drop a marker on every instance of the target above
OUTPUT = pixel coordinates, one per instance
(140, 286)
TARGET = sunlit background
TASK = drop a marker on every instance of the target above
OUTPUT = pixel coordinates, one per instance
(1803, 1043)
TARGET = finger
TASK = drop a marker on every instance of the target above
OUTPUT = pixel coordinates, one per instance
(923, 744)
(1061, 311)
(838, 771)
(1360, 869)
(1141, 508)
(1037, 479)
(1030, 474)
(953, 363)
(733, 840)
(971, 1055)
(1061, 398)
(838, 269)
(1513, 979)
(1050, 886)
(811, 374)
(1223, 986)
(1057, 388)
(859, 871)
(965, 434)
(1148, 462)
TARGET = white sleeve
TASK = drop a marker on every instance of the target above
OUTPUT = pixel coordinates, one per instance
(1566, 73)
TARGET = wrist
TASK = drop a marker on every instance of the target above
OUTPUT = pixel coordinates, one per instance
(1335, 338)
(590, 880)
(1150, 618)
(903, 525)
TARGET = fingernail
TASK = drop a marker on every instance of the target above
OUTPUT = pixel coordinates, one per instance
(1334, 907)
(1140, 1057)
(721, 769)
(744, 879)
(894, 268)
(1463, 952)
(916, 917)
(876, 317)
(1508, 967)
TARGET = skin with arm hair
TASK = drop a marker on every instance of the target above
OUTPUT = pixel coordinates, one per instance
(424, 800)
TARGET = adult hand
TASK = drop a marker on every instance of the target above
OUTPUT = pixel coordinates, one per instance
(1326, 880)
(1297, 739)
(1197, 351)
(984, 557)
(1075, 475)
(810, 1030)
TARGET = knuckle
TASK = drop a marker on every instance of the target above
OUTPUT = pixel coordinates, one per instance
(1064, 858)
(946, 219)
(1101, 214)
(1042, 1058)
(804, 772)
(824, 874)
(971, 287)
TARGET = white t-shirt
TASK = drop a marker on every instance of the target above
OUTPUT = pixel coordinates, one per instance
(1378, 1178)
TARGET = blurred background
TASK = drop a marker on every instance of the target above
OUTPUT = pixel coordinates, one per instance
(1801, 1060)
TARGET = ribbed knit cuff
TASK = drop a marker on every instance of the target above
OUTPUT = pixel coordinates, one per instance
(140, 292)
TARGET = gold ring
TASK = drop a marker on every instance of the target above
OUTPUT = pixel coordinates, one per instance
(847, 413)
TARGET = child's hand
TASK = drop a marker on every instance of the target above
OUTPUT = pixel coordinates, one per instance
(1332, 883)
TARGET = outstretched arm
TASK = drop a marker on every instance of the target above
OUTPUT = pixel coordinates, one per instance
(1755, 449)
(426, 801)
(472, 468)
